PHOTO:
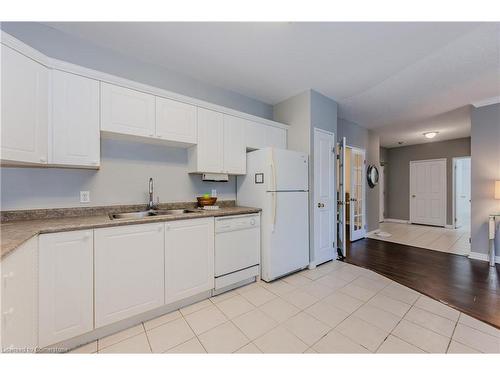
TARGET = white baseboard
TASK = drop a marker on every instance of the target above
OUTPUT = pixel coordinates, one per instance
(483, 257)
(449, 226)
(396, 221)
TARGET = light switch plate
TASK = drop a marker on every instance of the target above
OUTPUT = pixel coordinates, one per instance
(84, 196)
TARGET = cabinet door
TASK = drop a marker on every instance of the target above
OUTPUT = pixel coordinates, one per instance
(129, 271)
(75, 138)
(127, 111)
(175, 121)
(210, 141)
(234, 146)
(189, 258)
(255, 135)
(65, 304)
(25, 93)
(275, 137)
(19, 296)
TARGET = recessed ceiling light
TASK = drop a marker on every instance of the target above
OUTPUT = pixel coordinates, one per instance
(430, 134)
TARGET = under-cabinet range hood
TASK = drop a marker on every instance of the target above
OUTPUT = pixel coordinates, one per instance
(218, 177)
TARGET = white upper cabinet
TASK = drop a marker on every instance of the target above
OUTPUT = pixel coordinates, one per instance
(74, 130)
(127, 111)
(258, 136)
(175, 121)
(208, 155)
(66, 286)
(129, 271)
(255, 135)
(235, 161)
(25, 94)
(275, 137)
(189, 258)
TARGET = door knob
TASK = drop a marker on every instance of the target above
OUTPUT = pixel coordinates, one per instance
(321, 205)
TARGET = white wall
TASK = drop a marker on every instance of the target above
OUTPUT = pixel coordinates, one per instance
(122, 179)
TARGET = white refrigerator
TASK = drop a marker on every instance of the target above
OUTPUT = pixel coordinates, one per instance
(277, 182)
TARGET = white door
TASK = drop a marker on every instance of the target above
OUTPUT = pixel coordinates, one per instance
(25, 106)
(462, 193)
(19, 297)
(324, 206)
(288, 170)
(210, 149)
(381, 183)
(235, 157)
(129, 271)
(66, 286)
(126, 111)
(255, 135)
(285, 233)
(175, 121)
(75, 134)
(341, 201)
(428, 192)
(189, 258)
(357, 219)
(275, 137)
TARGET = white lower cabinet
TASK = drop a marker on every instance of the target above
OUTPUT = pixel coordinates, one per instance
(66, 289)
(19, 296)
(129, 271)
(189, 258)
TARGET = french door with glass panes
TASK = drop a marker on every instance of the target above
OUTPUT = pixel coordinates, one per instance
(357, 217)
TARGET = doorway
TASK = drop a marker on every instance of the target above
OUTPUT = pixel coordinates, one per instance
(381, 185)
(461, 193)
(352, 192)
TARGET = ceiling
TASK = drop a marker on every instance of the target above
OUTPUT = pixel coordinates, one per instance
(393, 77)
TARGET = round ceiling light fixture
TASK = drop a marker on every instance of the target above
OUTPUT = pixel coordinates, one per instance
(430, 135)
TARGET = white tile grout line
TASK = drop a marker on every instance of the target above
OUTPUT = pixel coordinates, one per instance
(147, 337)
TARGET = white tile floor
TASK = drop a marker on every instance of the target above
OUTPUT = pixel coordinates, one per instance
(335, 308)
(455, 241)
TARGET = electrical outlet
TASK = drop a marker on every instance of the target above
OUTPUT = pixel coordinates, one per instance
(214, 193)
(84, 196)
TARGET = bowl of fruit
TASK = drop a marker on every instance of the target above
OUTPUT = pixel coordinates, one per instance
(206, 200)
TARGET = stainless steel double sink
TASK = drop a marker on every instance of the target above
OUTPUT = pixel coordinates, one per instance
(148, 213)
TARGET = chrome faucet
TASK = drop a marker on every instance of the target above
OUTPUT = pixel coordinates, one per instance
(151, 204)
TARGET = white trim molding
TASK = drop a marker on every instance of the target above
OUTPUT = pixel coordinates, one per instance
(485, 102)
(389, 220)
(482, 256)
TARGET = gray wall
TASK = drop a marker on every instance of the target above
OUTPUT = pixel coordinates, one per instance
(485, 169)
(398, 181)
(59, 45)
(122, 179)
(304, 112)
(357, 136)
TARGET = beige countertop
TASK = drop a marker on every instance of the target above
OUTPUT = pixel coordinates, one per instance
(15, 233)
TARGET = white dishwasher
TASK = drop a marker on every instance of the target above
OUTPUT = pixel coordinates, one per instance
(237, 251)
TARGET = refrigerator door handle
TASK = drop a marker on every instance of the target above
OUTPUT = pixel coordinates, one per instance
(273, 222)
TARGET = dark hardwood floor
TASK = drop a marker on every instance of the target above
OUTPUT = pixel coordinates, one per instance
(471, 286)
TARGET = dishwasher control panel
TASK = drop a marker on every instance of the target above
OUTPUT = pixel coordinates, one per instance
(231, 223)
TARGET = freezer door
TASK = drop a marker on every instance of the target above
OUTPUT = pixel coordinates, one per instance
(285, 233)
(288, 170)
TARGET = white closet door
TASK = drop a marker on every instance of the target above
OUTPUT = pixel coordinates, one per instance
(428, 192)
